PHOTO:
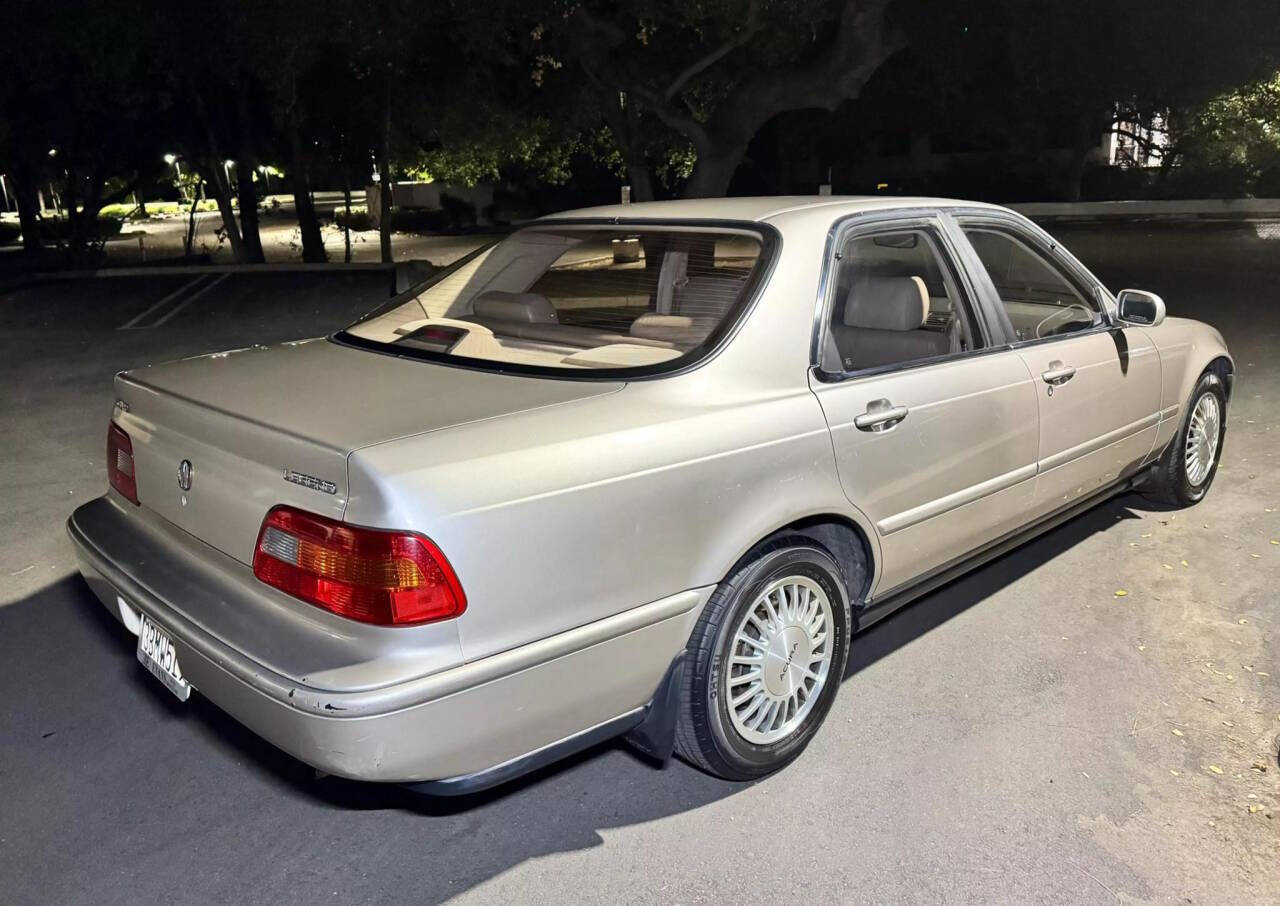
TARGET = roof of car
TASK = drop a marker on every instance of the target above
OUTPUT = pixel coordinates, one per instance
(759, 208)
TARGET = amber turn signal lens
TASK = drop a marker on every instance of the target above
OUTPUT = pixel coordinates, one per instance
(375, 576)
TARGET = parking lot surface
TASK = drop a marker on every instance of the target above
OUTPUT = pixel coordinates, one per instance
(1022, 735)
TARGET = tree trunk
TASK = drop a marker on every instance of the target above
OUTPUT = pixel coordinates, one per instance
(1084, 138)
(641, 179)
(27, 197)
(386, 185)
(624, 124)
(637, 161)
(346, 225)
(248, 195)
(190, 240)
(308, 223)
(216, 175)
(714, 169)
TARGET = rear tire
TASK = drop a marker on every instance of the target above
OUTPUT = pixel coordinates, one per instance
(1187, 467)
(766, 659)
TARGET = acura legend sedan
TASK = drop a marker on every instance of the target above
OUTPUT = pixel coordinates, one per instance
(634, 470)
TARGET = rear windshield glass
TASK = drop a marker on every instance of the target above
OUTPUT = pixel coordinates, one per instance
(580, 299)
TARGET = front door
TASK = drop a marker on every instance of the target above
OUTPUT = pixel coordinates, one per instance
(1098, 385)
(934, 426)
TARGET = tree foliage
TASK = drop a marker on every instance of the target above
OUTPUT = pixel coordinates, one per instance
(671, 95)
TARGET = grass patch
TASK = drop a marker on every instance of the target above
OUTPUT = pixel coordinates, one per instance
(159, 208)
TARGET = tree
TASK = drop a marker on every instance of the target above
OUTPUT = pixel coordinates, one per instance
(1238, 130)
(717, 72)
(1054, 74)
(78, 111)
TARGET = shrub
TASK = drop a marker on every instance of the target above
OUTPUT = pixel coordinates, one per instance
(359, 219)
(1104, 183)
(53, 229)
(1268, 183)
(453, 214)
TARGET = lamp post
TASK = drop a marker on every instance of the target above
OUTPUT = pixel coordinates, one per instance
(172, 160)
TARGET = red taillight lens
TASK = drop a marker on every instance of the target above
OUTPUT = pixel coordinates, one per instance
(370, 575)
(120, 463)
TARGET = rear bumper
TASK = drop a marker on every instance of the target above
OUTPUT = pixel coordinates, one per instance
(462, 723)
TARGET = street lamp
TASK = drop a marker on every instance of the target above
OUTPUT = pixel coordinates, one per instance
(172, 160)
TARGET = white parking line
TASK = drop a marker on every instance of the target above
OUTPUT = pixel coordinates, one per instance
(192, 290)
(187, 301)
(131, 324)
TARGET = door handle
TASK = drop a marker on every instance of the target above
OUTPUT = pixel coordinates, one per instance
(881, 415)
(1058, 373)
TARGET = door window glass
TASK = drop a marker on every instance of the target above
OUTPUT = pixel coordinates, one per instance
(1038, 297)
(894, 302)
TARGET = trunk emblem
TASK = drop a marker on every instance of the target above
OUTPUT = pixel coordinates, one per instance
(184, 475)
(310, 481)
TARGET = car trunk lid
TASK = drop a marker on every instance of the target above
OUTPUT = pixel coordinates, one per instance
(267, 426)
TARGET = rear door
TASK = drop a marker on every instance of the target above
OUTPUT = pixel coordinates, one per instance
(933, 423)
(1097, 383)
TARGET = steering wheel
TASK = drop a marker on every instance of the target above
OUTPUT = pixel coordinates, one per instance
(1074, 306)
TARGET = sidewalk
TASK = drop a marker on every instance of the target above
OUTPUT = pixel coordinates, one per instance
(1206, 209)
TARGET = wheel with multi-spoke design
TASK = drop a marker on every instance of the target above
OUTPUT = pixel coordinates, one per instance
(1188, 466)
(767, 657)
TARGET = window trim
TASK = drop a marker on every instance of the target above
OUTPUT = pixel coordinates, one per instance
(1055, 254)
(895, 220)
(717, 340)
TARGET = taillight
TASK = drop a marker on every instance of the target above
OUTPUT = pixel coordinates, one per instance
(120, 463)
(370, 575)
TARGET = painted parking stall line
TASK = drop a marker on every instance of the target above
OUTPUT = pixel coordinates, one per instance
(189, 299)
(170, 305)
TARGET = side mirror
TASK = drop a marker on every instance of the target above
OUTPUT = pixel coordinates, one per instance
(1136, 306)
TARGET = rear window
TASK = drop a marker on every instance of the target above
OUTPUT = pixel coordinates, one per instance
(576, 299)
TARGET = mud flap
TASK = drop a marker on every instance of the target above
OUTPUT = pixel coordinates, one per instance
(655, 735)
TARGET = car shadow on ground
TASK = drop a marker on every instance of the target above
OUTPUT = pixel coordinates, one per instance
(92, 743)
(934, 609)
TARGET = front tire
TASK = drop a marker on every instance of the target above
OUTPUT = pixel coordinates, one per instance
(1187, 468)
(766, 659)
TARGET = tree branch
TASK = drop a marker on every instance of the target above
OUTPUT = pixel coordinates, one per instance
(749, 30)
(674, 117)
(862, 43)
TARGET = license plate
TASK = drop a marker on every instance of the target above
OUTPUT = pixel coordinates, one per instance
(156, 653)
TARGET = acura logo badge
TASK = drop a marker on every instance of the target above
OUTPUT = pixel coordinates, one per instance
(184, 475)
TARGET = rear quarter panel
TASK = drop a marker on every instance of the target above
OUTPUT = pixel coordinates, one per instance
(558, 518)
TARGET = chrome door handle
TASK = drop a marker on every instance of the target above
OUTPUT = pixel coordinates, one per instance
(1058, 373)
(881, 415)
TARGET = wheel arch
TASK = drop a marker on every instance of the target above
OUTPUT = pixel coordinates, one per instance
(1225, 369)
(844, 540)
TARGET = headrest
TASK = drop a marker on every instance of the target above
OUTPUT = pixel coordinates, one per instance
(528, 308)
(708, 295)
(672, 328)
(887, 303)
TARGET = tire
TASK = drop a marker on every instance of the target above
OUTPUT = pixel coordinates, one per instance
(799, 575)
(1175, 481)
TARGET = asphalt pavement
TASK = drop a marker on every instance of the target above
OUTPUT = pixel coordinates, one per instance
(1023, 735)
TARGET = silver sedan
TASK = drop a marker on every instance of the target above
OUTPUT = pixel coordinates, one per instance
(633, 470)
